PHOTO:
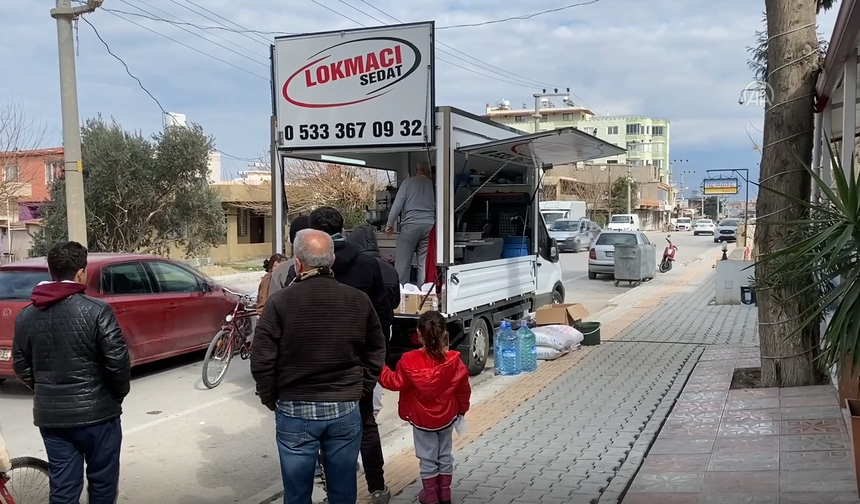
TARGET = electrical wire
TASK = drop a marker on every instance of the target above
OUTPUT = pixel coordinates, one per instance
(265, 42)
(204, 53)
(193, 25)
(186, 30)
(519, 18)
(124, 64)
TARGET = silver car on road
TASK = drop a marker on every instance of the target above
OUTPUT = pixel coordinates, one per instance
(573, 235)
(601, 257)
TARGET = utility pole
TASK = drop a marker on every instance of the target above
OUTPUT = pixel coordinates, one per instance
(73, 172)
(544, 94)
(629, 191)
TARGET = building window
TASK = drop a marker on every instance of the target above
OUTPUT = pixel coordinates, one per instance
(612, 130)
(590, 131)
(634, 147)
(519, 118)
(658, 163)
(543, 118)
(53, 171)
(10, 173)
(634, 129)
(658, 131)
(611, 161)
(568, 117)
(242, 220)
(647, 130)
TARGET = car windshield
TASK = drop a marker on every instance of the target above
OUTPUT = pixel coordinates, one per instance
(551, 217)
(565, 225)
(623, 219)
(612, 239)
(704, 222)
(19, 284)
(684, 220)
(729, 222)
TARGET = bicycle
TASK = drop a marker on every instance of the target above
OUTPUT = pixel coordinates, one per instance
(27, 482)
(232, 338)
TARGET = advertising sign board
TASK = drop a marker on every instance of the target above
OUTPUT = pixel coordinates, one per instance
(720, 186)
(355, 89)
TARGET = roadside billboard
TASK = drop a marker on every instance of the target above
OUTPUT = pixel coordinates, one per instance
(355, 89)
(720, 186)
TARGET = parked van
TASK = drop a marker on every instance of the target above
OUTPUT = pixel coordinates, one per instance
(623, 222)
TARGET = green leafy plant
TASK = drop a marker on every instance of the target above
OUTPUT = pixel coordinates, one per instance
(821, 264)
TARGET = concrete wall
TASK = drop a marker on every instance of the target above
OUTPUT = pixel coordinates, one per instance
(731, 275)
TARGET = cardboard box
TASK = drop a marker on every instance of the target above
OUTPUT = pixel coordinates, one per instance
(410, 303)
(560, 314)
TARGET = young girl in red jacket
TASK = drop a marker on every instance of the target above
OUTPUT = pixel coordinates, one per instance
(434, 392)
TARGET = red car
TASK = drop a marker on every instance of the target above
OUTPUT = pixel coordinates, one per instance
(165, 308)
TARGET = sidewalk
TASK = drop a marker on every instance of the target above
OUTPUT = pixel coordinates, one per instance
(760, 446)
(578, 429)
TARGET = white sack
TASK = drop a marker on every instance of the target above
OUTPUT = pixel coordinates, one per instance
(549, 353)
(5, 461)
(559, 337)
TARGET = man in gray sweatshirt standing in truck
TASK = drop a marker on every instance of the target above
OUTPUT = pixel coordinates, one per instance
(415, 204)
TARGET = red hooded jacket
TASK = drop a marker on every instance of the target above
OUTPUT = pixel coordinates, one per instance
(432, 394)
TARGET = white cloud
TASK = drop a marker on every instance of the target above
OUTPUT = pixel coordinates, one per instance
(682, 60)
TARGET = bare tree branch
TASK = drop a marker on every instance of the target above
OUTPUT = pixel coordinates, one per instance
(18, 134)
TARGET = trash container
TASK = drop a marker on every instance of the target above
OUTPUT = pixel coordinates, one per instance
(590, 333)
(635, 263)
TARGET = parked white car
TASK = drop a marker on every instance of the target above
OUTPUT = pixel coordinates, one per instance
(704, 226)
(684, 224)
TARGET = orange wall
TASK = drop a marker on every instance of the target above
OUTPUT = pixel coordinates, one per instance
(31, 170)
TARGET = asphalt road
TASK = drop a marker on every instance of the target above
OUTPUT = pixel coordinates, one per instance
(595, 295)
(185, 444)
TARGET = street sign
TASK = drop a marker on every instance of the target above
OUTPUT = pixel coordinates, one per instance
(355, 89)
(720, 186)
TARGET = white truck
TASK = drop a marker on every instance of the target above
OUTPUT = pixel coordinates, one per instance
(358, 97)
(555, 210)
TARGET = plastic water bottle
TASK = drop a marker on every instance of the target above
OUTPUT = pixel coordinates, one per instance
(528, 347)
(507, 346)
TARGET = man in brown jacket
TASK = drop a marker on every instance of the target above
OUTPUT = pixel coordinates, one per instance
(318, 349)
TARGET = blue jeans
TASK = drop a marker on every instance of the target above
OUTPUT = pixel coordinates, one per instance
(299, 442)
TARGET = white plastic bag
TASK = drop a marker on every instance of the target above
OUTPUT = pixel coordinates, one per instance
(549, 353)
(559, 337)
(460, 425)
(5, 461)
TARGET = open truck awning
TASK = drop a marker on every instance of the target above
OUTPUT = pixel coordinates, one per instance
(556, 147)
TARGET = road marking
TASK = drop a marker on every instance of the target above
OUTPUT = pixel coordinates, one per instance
(195, 409)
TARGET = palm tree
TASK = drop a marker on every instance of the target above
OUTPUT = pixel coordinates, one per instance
(786, 61)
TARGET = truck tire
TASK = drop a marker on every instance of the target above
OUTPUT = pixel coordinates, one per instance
(557, 296)
(479, 347)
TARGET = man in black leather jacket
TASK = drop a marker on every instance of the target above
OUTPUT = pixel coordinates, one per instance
(69, 349)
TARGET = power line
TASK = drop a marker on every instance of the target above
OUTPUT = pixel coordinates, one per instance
(192, 25)
(267, 79)
(265, 41)
(480, 64)
(518, 18)
(127, 70)
(197, 34)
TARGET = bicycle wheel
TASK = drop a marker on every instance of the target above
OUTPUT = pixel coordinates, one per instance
(220, 352)
(29, 481)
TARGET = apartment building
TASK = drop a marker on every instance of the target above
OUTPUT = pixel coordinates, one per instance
(645, 138)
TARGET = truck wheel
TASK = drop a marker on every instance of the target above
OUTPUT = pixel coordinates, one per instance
(557, 296)
(479, 347)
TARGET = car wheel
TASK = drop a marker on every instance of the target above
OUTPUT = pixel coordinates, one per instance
(576, 247)
(592, 275)
(557, 296)
(2, 380)
(479, 347)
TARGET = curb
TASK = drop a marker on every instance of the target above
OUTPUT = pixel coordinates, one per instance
(238, 278)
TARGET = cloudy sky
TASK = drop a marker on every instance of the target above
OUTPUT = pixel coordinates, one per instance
(684, 60)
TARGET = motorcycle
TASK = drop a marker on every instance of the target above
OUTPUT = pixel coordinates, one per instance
(668, 256)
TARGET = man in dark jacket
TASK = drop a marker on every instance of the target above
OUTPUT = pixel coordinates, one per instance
(364, 239)
(362, 272)
(318, 350)
(69, 349)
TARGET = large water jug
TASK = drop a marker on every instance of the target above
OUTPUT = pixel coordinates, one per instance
(507, 347)
(528, 347)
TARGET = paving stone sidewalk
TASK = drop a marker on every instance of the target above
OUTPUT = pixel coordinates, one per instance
(584, 436)
(756, 446)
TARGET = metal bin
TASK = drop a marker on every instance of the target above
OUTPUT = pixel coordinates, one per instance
(635, 263)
